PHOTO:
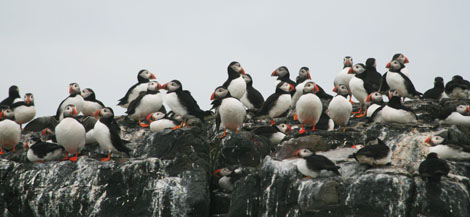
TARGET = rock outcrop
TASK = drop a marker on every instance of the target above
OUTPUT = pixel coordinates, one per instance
(170, 174)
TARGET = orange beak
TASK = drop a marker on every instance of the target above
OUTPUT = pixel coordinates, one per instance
(406, 60)
(274, 73)
(388, 65)
(368, 98)
(354, 146)
(1, 114)
(309, 77)
(159, 86)
(213, 96)
(97, 113)
(296, 154)
(335, 89)
(70, 89)
(243, 71)
(152, 76)
(44, 132)
(149, 117)
(468, 109)
(27, 100)
(351, 70)
(390, 95)
(316, 89)
(428, 140)
(291, 87)
(289, 127)
(217, 172)
(165, 86)
(75, 113)
(348, 62)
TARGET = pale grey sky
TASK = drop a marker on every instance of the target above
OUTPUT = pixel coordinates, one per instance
(45, 45)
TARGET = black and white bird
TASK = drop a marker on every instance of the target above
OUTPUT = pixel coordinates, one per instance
(24, 110)
(39, 151)
(340, 109)
(70, 133)
(231, 111)
(311, 164)
(275, 133)
(402, 59)
(360, 87)
(301, 79)
(252, 98)
(278, 103)
(182, 103)
(147, 102)
(374, 153)
(235, 83)
(433, 168)
(283, 75)
(108, 134)
(376, 102)
(458, 88)
(90, 104)
(75, 98)
(445, 150)
(143, 77)
(437, 92)
(13, 96)
(395, 112)
(459, 115)
(309, 107)
(344, 76)
(395, 80)
(160, 121)
(374, 78)
(10, 131)
(228, 177)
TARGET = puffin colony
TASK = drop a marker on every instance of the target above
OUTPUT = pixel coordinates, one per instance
(302, 104)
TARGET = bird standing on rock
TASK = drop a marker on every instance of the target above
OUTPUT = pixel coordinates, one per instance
(360, 87)
(252, 98)
(70, 133)
(90, 103)
(433, 168)
(340, 109)
(231, 111)
(24, 110)
(309, 107)
(143, 77)
(345, 75)
(375, 153)
(395, 80)
(235, 82)
(10, 131)
(107, 134)
(147, 102)
(278, 103)
(75, 98)
(437, 92)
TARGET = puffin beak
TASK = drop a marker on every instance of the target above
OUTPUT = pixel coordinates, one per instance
(27, 100)
(1, 115)
(354, 146)
(242, 71)
(468, 109)
(406, 60)
(44, 132)
(368, 98)
(70, 89)
(216, 173)
(274, 73)
(348, 62)
(98, 113)
(289, 127)
(350, 70)
(149, 117)
(388, 65)
(296, 154)
(213, 96)
(152, 76)
(165, 86)
(75, 113)
(428, 140)
(26, 145)
(335, 89)
(390, 95)
(291, 87)
(159, 86)
(309, 77)
(316, 88)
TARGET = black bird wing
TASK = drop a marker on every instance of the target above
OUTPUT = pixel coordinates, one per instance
(57, 114)
(41, 123)
(124, 99)
(375, 151)
(88, 122)
(41, 149)
(369, 87)
(322, 94)
(320, 162)
(255, 97)
(433, 168)
(188, 101)
(136, 102)
(372, 117)
(384, 85)
(99, 102)
(17, 104)
(409, 85)
(115, 133)
(269, 103)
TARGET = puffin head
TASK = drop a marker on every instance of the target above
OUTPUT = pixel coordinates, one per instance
(74, 88)
(304, 72)
(357, 69)
(311, 87)
(220, 93)
(222, 172)
(301, 153)
(347, 61)
(155, 116)
(70, 111)
(144, 76)
(401, 58)
(87, 93)
(284, 128)
(463, 109)
(236, 67)
(280, 71)
(374, 97)
(29, 99)
(434, 140)
(105, 113)
(172, 86)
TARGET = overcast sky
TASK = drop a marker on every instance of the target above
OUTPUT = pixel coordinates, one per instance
(45, 45)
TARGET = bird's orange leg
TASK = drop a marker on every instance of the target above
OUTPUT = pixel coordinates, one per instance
(13, 150)
(225, 133)
(296, 117)
(363, 114)
(360, 110)
(74, 158)
(272, 122)
(66, 156)
(1, 150)
(179, 126)
(142, 124)
(302, 130)
(106, 158)
(313, 128)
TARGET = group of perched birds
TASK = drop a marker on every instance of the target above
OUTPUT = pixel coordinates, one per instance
(235, 101)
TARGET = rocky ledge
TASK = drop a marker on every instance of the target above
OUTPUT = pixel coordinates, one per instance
(170, 174)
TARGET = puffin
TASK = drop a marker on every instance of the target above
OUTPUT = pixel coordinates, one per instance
(39, 151)
(340, 109)
(360, 87)
(13, 96)
(70, 133)
(24, 110)
(396, 80)
(376, 105)
(160, 121)
(283, 75)
(395, 112)
(375, 153)
(252, 98)
(278, 103)
(311, 164)
(235, 83)
(433, 168)
(147, 102)
(344, 76)
(457, 88)
(459, 115)
(445, 150)
(373, 78)
(402, 59)
(437, 92)
(309, 107)
(275, 133)
(10, 131)
(182, 103)
(231, 111)
(228, 177)
(108, 134)
(143, 77)
(90, 103)
(75, 98)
